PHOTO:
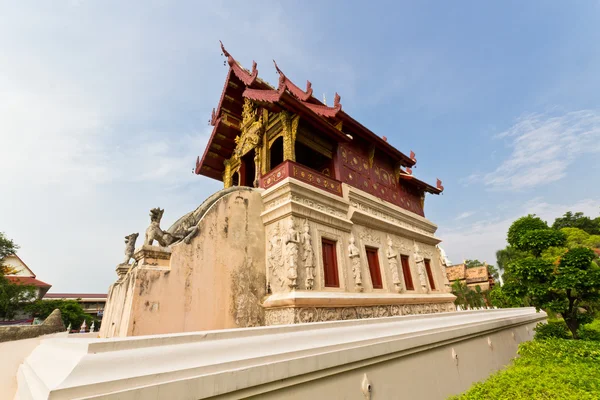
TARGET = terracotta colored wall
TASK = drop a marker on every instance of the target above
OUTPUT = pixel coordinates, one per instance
(353, 167)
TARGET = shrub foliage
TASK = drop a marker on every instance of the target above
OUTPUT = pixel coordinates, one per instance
(548, 369)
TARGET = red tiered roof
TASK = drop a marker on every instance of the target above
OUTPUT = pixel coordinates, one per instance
(241, 83)
(27, 280)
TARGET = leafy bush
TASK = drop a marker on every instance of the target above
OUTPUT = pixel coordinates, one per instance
(590, 331)
(552, 330)
(549, 369)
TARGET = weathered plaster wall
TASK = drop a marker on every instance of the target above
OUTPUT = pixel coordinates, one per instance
(52, 324)
(215, 282)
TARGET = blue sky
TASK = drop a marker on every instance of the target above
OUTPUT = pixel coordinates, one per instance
(104, 108)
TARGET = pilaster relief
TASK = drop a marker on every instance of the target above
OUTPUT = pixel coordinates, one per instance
(420, 261)
(280, 316)
(289, 126)
(354, 255)
(275, 260)
(292, 241)
(443, 266)
(308, 256)
(392, 257)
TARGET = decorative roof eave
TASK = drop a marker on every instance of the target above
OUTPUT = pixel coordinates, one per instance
(200, 163)
(294, 104)
(248, 78)
(425, 186)
(285, 83)
(325, 111)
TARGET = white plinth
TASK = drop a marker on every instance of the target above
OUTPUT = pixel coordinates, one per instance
(409, 355)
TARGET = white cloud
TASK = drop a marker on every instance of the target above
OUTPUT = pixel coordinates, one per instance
(464, 215)
(543, 148)
(481, 239)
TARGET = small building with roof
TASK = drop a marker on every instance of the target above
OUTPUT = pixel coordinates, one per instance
(23, 275)
(92, 303)
(475, 276)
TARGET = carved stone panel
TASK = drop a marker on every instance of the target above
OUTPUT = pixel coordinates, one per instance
(275, 259)
(279, 316)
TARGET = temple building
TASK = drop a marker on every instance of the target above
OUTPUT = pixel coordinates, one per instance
(319, 219)
(475, 276)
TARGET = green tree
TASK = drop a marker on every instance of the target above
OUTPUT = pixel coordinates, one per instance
(506, 256)
(12, 297)
(466, 297)
(568, 285)
(575, 237)
(499, 298)
(473, 263)
(7, 247)
(71, 311)
(578, 220)
(476, 263)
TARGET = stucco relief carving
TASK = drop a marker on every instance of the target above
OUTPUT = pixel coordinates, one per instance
(316, 314)
(308, 314)
(292, 241)
(280, 316)
(315, 205)
(130, 246)
(354, 255)
(420, 261)
(308, 256)
(247, 290)
(392, 257)
(388, 218)
(275, 260)
(443, 266)
(278, 201)
(367, 235)
(318, 206)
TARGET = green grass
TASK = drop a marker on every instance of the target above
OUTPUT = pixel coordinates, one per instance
(550, 369)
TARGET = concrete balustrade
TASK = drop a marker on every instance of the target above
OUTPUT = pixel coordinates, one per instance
(424, 356)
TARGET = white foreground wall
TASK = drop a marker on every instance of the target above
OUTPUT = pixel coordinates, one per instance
(12, 354)
(424, 357)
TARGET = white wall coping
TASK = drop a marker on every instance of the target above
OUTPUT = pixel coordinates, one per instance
(311, 298)
(210, 363)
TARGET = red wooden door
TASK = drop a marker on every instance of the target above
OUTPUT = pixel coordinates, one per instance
(406, 273)
(330, 263)
(373, 261)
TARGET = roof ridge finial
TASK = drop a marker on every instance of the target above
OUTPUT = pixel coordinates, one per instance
(324, 99)
(280, 72)
(225, 52)
(336, 101)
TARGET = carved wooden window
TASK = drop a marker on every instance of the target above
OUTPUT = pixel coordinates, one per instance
(373, 261)
(330, 267)
(406, 273)
(429, 274)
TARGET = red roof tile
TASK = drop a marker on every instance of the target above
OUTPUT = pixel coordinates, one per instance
(26, 280)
